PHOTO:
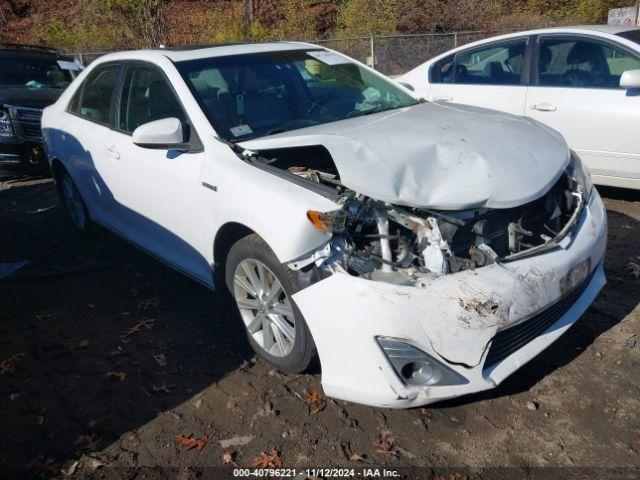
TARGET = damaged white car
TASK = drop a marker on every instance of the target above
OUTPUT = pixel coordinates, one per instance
(420, 251)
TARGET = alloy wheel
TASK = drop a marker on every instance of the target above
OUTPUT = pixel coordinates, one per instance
(265, 307)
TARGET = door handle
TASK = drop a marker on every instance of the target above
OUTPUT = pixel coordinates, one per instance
(441, 98)
(112, 151)
(543, 107)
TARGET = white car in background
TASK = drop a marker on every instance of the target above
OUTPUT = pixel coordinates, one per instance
(394, 239)
(582, 81)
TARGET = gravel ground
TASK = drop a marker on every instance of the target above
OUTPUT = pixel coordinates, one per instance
(115, 356)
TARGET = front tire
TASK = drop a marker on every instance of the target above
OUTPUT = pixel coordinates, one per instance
(261, 288)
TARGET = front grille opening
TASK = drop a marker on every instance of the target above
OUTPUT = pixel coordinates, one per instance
(514, 338)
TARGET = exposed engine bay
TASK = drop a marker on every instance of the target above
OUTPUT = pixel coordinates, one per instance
(407, 245)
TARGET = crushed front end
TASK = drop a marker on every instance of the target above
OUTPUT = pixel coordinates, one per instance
(415, 305)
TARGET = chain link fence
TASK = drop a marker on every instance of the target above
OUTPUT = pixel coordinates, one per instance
(396, 54)
(389, 54)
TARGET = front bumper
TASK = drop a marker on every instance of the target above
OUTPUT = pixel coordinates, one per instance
(19, 156)
(448, 319)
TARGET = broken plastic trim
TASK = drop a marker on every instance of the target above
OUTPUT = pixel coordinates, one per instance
(555, 241)
(263, 163)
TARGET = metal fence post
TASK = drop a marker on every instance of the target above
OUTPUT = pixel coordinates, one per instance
(373, 53)
(455, 40)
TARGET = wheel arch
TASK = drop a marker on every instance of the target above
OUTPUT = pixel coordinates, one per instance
(57, 168)
(225, 237)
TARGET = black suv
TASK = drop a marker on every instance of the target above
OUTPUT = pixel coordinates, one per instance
(31, 78)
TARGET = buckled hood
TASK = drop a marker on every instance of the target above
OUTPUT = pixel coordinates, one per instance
(431, 155)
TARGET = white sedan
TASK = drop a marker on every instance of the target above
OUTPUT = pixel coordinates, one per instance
(396, 240)
(582, 81)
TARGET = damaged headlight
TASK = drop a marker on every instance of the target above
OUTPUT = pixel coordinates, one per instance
(414, 367)
(6, 128)
(579, 172)
(329, 222)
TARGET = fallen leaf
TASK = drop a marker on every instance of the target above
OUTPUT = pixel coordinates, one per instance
(70, 470)
(191, 442)
(316, 401)
(160, 389)
(633, 267)
(425, 411)
(160, 359)
(83, 344)
(267, 460)
(115, 376)
(8, 366)
(44, 467)
(356, 458)
(387, 444)
(93, 463)
(87, 443)
(228, 458)
(146, 323)
(636, 442)
(149, 303)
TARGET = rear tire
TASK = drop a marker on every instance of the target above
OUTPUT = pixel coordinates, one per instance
(74, 204)
(261, 288)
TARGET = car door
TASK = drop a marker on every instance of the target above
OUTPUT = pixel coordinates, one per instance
(576, 91)
(155, 189)
(82, 135)
(493, 75)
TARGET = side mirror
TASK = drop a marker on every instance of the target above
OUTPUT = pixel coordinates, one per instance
(630, 79)
(164, 134)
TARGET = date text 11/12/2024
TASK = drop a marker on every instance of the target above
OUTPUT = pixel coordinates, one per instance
(316, 472)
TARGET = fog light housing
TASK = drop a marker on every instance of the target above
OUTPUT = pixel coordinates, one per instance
(415, 367)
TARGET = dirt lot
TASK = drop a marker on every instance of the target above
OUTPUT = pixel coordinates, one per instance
(90, 394)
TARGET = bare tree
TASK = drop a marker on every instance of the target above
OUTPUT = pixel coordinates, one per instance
(3, 24)
(151, 21)
(248, 11)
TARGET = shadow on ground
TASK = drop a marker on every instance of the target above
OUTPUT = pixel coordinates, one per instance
(107, 347)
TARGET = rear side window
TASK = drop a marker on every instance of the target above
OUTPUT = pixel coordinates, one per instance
(93, 100)
(146, 96)
(633, 35)
(582, 63)
(494, 64)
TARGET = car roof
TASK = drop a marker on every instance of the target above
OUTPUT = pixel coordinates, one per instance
(597, 29)
(184, 53)
(611, 29)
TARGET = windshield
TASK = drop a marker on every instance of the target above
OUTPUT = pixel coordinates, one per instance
(633, 35)
(33, 73)
(253, 95)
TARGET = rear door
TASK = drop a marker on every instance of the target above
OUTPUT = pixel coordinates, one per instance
(493, 75)
(83, 134)
(576, 91)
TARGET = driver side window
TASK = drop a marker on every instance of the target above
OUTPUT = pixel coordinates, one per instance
(146, 96)
(582, 63)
